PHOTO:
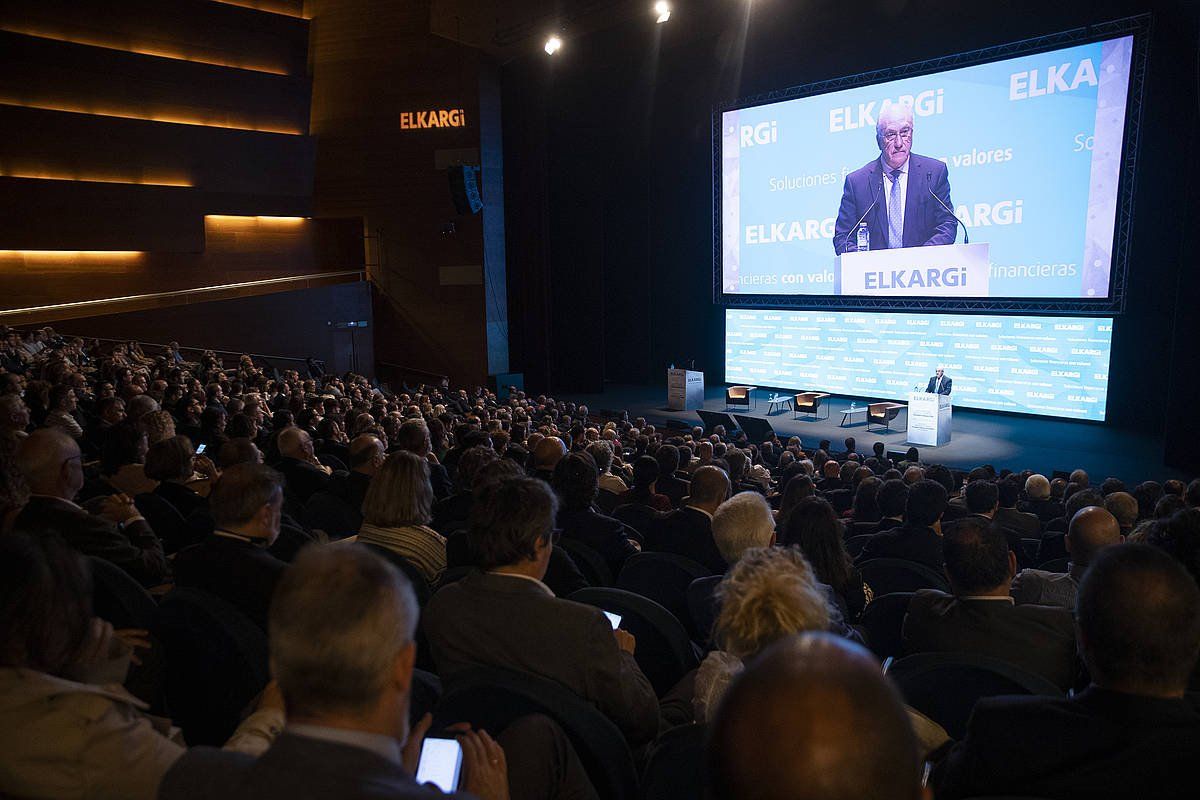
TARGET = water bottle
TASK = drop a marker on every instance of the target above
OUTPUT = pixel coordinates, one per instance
(864, 238)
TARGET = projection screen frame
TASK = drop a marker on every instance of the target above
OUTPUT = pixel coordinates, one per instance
(1138, 27)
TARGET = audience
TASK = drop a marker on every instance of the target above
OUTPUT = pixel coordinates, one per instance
(688, 531)
(814, 528)
(919, 539)
(397, 511)
(337, 509)
(1091, 530)
(742, 522)
(576, 481)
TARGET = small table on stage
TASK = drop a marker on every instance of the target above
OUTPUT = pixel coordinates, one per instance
(781, 400)
(848, 416)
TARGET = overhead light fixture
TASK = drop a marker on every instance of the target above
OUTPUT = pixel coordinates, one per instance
(553, 45)
(663, 9)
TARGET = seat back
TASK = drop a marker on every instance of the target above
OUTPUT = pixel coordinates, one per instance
(424, 697)
(493, 698)
(216, 662)
(607, 501)
(414, 575)
(855, 544)
(168, 524)
(664, 651)
(664, 578)
(887, 575)
(882, 622)
(946, 686)
(117, 598)
(703, 607)
(637, 516)
(1056, 565)
(672, 771)
(591, 563)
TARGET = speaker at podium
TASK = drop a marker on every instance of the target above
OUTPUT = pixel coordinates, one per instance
(929, 418)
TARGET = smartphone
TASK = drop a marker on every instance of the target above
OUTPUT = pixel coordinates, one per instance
(441, 763)
(200, 450)
(615, 619)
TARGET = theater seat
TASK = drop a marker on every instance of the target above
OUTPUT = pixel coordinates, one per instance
(887, 575)
(591, 563)
(703, 607)
(117, 598)
(882, 623)
(664, 578)
(672, 769)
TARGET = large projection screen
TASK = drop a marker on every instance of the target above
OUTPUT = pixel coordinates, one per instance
(1050, 366)
(1028, 151)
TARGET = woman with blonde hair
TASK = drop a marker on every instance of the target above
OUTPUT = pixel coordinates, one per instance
(397, 511)
(770, 593)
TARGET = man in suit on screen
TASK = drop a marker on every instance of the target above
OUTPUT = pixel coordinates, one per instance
(940, 383)
(901, 184)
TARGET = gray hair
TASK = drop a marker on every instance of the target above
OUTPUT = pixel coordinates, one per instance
(892, 112)
(742, 522)
(339, 618)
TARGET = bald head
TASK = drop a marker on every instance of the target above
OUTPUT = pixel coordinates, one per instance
(1092, 529)
(813, 717)
(366, 453)
(50, 461)
(710, 487)
(548, 452)
(295, 443)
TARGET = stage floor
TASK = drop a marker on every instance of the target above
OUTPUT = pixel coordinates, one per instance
(1002, 440)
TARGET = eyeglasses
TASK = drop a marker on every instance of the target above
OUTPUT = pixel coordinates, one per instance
(904, 133)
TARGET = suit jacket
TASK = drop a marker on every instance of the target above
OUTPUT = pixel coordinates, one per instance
(947, 383)
(1045, 510)
(489, 620)
(133, 548)
(686, 532)
(605, 535)
(303, 479)
(674, 488)
(1038, 639)
(1098, 745)
(1025, 525)
(912, 542)
(185, 500)
(238, 571)
(294, 768)
(925, 221)
(337, 509)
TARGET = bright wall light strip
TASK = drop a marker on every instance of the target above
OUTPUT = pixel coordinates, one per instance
(232, 218)
(71, 255)
(149, 49)
(181, 292)
(88, 178)
(266, 7)
(126, 114)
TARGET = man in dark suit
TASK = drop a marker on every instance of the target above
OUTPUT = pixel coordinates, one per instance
(980, 616)
(303, 473)
(1024, 524)
(1038, 502)
(832, 480)
(1132, 733)
(896, 192)
(504, 617)
(577, 482)
(414, 437)
(337, 509)
(940, 383)
(347, 732)
(981, 499)
(51, 463)
(687, 531)
(1092, 529)
(668, 483)
(232, 562)
(919, 539)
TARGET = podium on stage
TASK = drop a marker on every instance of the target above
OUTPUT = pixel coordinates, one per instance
(929, 419)
(685, 389)
(945, 270)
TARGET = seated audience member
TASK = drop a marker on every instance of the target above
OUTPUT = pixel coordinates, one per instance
(688, 531)
(919, 539)
(232, 562)
(770, 593)
(342, 649)
(337, 509)
(799, 488)
(892, 497)
(1168, 505)
(173, 463)
(122, 464)
(1092, 529)
(397, 511)
(1022, 524)
(213, 420)
(1131, 733)
(742, 522)
(238, 451)
(865, 507)
(668, 464)
(813, 718)
(67, 728)
(1124, 508)
(109, 411)
(303, 473)
(503, 616)
(980, 616)
(576, 481)
(414, 437)
(546, 455)
(64, 409)
(814, 528)
(1052, 544)
(51, 463)
(602, 454)
(644, 491)
(452, 513)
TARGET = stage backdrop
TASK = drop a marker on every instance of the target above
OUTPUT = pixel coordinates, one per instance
(1051, 366)
(1033, 149)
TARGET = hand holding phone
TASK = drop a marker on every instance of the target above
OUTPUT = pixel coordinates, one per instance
(615, 619)
(441, 763)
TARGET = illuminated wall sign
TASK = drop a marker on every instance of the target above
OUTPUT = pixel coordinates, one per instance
(434, 118)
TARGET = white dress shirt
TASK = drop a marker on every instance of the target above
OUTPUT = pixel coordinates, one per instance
(887, 186)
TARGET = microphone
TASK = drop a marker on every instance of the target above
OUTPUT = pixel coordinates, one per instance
(949, 210)
(854, 230)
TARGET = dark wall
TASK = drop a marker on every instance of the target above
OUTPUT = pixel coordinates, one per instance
(609, 185)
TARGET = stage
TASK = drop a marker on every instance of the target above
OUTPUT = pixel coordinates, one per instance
(1003, 440)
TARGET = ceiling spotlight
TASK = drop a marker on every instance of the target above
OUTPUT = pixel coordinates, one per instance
(663, 9)
(553, 45)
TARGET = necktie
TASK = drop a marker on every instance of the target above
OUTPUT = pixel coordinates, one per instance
(895, 214)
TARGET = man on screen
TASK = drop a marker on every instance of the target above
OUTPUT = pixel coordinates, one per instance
(939, 383)
(901, 185)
